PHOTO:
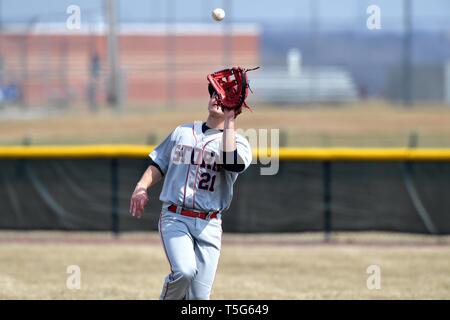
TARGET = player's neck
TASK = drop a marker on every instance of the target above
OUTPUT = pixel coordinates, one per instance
(215, 123)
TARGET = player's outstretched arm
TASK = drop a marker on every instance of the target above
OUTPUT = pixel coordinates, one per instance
(232, 161)
(139, 198)
(229, 133)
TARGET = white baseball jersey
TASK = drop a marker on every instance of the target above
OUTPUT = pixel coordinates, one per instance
(192, 163)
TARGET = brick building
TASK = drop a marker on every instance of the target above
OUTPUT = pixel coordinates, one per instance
(51, 64)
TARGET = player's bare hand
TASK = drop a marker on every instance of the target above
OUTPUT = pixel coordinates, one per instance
(230, 114)
(139, 200)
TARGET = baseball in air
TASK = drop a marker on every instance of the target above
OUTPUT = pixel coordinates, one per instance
(218, 14)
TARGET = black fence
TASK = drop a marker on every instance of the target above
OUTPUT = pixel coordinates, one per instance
(94, 194)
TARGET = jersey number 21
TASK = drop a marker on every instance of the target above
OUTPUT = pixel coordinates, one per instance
(204, 183)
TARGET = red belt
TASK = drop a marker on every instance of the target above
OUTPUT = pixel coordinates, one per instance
(193, 214)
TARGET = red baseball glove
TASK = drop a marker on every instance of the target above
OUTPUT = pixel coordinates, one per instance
(232, 88)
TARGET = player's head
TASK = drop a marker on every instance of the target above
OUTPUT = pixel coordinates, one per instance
(213, 107)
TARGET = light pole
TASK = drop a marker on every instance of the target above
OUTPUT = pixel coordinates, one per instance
(113, 93)
(406, 54)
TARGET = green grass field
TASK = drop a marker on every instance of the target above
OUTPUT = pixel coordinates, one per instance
(287, 266)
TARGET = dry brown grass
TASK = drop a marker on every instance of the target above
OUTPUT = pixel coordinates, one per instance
(370, 124)
(33, 266)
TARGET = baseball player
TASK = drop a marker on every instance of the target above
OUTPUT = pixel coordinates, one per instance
(200, 162)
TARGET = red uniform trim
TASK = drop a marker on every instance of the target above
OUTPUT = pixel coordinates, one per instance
(165, 251)
(189, 168)
(196, 173)
(193, 214)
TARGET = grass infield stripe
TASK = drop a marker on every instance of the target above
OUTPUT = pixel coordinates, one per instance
(285, 154)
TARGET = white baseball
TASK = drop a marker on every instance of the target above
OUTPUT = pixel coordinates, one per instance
(218, 14)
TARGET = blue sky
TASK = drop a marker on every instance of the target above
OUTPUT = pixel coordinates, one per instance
(350, 14)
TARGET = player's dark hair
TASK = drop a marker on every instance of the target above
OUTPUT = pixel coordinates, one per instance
(211, 90)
